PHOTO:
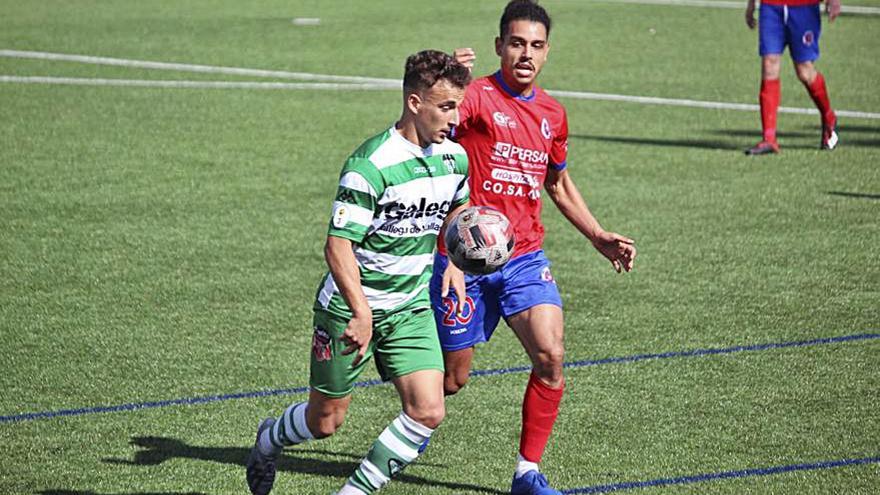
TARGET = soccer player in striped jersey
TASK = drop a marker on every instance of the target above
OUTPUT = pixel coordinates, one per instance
(394, 196)
(516, 138)
(798, 24)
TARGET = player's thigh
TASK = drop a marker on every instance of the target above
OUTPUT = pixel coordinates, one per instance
(804, 29)
(475, 324)
(331, 371)
(325, 414)
(540, 330)
(407, 342)
(771, 30)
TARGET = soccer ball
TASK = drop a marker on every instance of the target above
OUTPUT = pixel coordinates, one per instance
(479, 240)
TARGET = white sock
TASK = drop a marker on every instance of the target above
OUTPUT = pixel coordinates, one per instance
(349, 489)
(523, 466)
(289, 429)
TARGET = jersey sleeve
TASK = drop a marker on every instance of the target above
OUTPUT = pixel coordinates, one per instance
(357, 197)
(559, 148)
(463, 192)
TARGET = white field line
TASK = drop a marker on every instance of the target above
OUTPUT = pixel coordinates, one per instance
(846, 9)
(344, 83)
(211, 69)
(143, 83)
(701, 104)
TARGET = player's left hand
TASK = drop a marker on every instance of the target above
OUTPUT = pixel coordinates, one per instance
(620, 250)
(833, 9)
(465, 56)
(454, 277)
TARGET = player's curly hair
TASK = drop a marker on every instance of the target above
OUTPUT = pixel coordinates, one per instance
(518, 10)
(425, 68)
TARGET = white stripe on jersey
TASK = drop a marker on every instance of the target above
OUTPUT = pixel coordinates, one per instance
(398, 149)
(358, 214)
(389, 300)
(356, 181)
(393, 265)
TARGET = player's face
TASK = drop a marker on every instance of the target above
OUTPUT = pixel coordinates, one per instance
(523, 51)
(437, 112)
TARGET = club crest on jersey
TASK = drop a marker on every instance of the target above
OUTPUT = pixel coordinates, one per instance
(504, 120)
(808, 38)
(545, 129)
(321, 344)
(449, 161)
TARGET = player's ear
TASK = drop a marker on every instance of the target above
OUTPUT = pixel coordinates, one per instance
(413, 102)
(498, 43)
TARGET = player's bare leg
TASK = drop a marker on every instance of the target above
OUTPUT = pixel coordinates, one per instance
(769, 99)
(814, 82)
(421, 395)
(540, 330)
(458, 369)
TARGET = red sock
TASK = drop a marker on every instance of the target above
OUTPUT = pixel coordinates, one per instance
(770, 91)
(819, 93)
(539, 410)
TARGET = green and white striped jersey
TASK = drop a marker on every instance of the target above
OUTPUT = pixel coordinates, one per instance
(392, 199)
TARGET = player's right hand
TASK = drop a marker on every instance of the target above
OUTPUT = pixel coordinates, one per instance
(357, 336)
(454, 277)
(465, 56)
(750, 16)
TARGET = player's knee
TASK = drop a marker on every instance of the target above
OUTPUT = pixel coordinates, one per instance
(428, 415)
(452, 383)
(548, 366)
(806, 73)
(327, 425)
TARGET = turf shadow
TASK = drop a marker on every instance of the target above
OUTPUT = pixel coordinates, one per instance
(89, 492)
(156, 450)
(853, 195)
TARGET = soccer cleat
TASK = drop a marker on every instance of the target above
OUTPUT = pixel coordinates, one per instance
(763, 148)
(829, 137)
(532, 483)
(260, 472)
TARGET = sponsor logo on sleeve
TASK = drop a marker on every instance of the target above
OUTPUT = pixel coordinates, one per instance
(341, 214)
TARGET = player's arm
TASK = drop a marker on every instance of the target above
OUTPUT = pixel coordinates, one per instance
(619, 250)
(343, 266)
(750, 14)
(453, 276)
(465, 56)
(833, 9)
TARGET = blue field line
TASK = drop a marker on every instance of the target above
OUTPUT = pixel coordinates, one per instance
(371, 383)
(745, 473)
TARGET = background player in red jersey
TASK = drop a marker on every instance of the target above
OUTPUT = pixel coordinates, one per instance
(796, 23)
(516, 138)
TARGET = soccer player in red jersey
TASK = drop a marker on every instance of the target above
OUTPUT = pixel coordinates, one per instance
(516, 138)
(796, 23)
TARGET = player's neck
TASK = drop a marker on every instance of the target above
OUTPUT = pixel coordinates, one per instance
(407, 130)
(512, 87)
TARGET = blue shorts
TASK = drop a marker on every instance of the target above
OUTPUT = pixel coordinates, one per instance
(797, 26)
(522, 283)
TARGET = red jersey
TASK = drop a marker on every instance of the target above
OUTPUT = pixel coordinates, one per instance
(510, 141)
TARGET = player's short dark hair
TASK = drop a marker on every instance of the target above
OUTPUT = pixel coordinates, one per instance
(425, 68)
(519, 10)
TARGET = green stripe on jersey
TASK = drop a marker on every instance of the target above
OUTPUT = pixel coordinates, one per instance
(392, 199)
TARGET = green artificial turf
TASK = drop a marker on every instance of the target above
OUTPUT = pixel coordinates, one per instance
(158, 244)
